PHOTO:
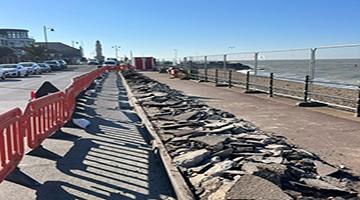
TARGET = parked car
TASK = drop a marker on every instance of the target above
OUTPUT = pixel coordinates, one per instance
(110, 63)
(45, 67)
(54, 64)
(114, 59)
(2, 74)
(14, 70)
(93, 63)
(32, 67)
(63, 64)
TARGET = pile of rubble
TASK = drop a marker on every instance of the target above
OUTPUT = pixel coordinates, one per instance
(224, 157)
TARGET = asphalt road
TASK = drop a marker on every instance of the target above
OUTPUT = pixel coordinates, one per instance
(15, 92)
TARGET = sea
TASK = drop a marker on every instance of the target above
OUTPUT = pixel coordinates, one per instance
(343, 73)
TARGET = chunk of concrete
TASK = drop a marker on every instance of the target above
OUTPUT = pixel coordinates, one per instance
(192, 158)
(186, 115)
(254, 187)
(211, 140)
(220, 167)
(324, 169)
(269, 160)
(320, 184)
(248, 136)
(220, 193)
(224, 153)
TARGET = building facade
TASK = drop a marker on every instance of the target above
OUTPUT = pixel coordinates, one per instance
(15, 38)
(58, 50)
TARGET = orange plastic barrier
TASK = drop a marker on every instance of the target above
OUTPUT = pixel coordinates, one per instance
(11, 141)
(42, 117)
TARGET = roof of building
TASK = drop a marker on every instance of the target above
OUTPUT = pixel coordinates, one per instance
(58, 47)
(12, 29)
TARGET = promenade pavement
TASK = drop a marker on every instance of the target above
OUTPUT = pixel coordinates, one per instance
(110, 159)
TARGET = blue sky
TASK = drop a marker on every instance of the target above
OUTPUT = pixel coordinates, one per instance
(194, 27)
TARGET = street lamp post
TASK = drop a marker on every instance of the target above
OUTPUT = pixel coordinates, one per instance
(175, 56)
(74, 42)
(116, 47)
(46, 38)
(231, 48)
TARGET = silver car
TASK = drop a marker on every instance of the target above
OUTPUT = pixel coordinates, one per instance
(32, 67)
(45, 67)
(2, 74)
(14, 70)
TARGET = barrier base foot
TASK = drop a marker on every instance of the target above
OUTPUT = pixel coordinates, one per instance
(19, 177)
(311, 104)
(44, 153)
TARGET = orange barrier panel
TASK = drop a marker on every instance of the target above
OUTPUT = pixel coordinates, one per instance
(11, 141)
(42, 117)
(69, 102)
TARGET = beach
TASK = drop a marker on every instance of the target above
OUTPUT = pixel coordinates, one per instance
(343, 97)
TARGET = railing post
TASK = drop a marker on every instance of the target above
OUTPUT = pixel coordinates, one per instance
(357, 114)
(224, 67)
(256, 56)
(247, 84)
(306, 88)
(216, 76)
(230, 82)
(312, 67)
(188, 64)
(271, 84)
(206, 69)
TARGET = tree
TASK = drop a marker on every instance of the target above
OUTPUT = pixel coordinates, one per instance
(98, 50)
(6, 52)
(35, 52)
(81, 51)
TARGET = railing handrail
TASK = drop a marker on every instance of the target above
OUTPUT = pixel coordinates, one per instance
(276, 50)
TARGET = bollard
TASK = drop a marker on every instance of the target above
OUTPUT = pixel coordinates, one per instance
(357, 114)
(230, 76)
(271, 84)
(247, 84)
(306, 88)
(216, 76)
(196, 74)
(206, 69)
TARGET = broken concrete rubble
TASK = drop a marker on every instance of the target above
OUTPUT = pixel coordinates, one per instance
(254, 187)
(191, 159)
(224, 157)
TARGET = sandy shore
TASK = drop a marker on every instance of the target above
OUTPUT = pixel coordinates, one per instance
(339, 96)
